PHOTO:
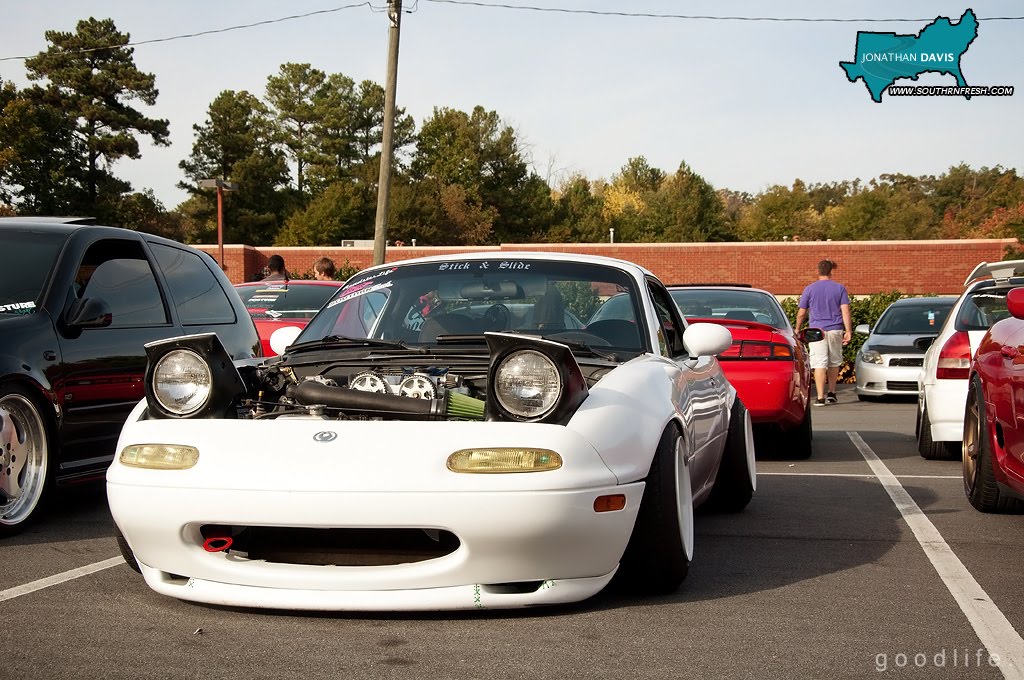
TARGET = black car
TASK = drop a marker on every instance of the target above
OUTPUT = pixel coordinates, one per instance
(78, 302)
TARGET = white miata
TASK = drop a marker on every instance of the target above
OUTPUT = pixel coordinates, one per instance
(442, 435)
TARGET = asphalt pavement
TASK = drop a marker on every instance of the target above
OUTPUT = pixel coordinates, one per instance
(864, 560)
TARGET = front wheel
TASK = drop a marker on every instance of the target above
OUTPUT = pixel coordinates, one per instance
(24, 458)
(979, 477)
(658, 555)
(801, 437)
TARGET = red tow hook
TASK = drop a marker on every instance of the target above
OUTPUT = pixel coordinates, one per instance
(218, 539)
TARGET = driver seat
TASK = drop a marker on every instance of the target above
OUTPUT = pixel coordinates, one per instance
(549, 311)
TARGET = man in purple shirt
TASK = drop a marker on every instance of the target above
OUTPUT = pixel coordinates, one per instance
(828, 305)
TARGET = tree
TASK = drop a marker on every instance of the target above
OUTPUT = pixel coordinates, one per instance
(236, 144)
(481, 160)
(92, 76)
(293, 94)
(40, 170)
(687, 209)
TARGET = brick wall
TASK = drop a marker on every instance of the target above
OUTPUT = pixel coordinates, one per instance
(865, 267)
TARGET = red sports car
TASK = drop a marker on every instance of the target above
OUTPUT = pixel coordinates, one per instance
(993, 445)
(766, 363)
(277, 306)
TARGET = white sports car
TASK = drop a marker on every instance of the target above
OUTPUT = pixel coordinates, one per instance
(419, 447)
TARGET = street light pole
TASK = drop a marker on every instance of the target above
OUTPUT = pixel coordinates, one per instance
(380, 231)
(221, 186)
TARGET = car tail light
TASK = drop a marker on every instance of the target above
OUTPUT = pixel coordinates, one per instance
(955, 358)
(755, 349)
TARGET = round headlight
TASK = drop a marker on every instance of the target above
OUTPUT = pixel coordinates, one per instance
(528, 384)
(182, 382)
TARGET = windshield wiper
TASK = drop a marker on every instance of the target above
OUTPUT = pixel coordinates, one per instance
(345, 341)
(577, 345)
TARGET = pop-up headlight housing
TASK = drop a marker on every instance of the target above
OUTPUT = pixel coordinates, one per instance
(191, 377)
(531, 380)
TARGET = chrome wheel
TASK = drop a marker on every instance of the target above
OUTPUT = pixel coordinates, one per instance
(684, 500)
(23, 458)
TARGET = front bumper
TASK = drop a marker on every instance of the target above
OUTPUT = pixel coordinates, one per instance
(880, 380)
(536, 530)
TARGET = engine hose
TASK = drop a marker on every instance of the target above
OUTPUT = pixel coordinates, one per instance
(312, 392)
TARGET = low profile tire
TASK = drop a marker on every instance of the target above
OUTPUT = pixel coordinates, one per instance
(25, 474)
(801, 437)
(929, 449)
(737, 473)
(126, 551)
(658, 555)
(979, 477)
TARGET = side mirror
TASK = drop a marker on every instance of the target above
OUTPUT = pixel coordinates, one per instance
(706, 339)
(812, 335)
(1015, 302)
(862, 329)
(89, 313)
(924, 343)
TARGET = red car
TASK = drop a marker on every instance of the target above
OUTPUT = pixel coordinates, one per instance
(993, 444)
(281, 305)
(766, 363)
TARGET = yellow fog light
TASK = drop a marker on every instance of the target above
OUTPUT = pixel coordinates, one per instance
(485, 461)
(160, 456)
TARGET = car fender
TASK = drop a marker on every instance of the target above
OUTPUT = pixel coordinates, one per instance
(626, 412)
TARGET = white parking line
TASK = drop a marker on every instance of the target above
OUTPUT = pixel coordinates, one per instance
(850, 474)
(993, 629)
(56, 579)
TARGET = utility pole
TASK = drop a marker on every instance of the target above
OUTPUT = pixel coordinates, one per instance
(380, 231)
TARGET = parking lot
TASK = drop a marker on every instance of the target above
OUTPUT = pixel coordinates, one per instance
(863, 560)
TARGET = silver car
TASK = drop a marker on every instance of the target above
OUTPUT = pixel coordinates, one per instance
(890, 360)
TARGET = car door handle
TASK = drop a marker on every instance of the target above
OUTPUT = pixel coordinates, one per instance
(1009, 352)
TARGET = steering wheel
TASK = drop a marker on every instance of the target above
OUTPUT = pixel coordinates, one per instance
(498, 317)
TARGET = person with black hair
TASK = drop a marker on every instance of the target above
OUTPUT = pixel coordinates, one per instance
(275, 264)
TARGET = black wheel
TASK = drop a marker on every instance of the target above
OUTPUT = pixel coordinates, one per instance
(979, 477)
(126, 550)
(932, 450)
(737, 473)
(25, 474)
(801, 436)
(658, 555)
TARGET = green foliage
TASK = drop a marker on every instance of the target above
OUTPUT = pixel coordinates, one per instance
(344, 272)
(865, 310)
(92, 76)
(580, 298)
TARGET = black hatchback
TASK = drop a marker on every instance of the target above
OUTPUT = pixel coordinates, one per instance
(78, 302)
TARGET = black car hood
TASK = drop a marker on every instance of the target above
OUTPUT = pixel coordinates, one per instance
(896, 344)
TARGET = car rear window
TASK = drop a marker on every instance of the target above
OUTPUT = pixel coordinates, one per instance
(285, 300)
(982, 308)
(913, 319)
(739, 305)
(197, 294)
(23, 277)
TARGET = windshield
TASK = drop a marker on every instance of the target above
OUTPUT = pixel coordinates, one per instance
(915, 319)
(285, 300)
(740, 305)
(424, 303)
(23, 276)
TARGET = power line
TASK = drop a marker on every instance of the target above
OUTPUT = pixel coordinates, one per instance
(217, 30)
(693, 17)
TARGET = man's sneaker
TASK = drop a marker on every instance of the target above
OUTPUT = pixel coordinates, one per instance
(831, 398)
(819, 402)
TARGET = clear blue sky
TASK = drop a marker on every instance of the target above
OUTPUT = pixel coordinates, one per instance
(745, 104)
